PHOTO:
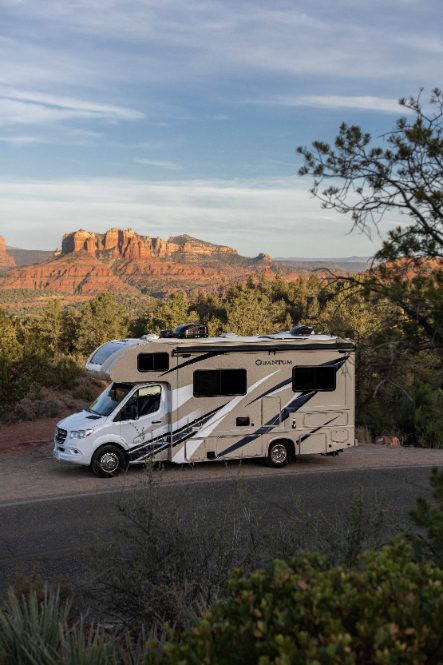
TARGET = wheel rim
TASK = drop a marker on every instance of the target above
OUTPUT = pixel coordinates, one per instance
(109, 462)
(279, 453)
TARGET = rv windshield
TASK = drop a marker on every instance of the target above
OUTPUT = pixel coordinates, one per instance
(110, 398)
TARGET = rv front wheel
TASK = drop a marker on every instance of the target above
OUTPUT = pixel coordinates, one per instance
(108, 461)
(278, 454)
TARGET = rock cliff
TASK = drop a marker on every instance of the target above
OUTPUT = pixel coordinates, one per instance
(5, 260)
(122, 260)
(80, 275)
(127, 244)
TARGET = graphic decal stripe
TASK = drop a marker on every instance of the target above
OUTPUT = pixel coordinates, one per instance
(265, 429)
(186, 432)
(198, 438)
(192, 361)
(271, 390)
(292, 407)
(174, 438)
(337, 362)
(306, 436)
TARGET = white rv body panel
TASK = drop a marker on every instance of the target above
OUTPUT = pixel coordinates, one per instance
(216, 398)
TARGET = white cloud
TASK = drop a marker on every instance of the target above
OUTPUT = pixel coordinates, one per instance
(274, 215)
(174, 40)
(426, 45)
(26, 107)
(22, 140)
(159, 163)
(366, 103)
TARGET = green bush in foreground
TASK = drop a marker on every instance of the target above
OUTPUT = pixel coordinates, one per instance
(36, 631)
(388, 609)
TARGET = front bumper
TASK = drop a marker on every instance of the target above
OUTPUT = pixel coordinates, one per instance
(71, 454)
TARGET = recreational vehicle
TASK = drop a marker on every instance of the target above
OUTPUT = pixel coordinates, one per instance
(185, 397)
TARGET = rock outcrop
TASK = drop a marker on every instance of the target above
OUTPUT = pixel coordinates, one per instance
(5, 260)
(79, 275)
(129, 245)
(124, 261)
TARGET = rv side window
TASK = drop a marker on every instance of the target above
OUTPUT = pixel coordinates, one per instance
(152, 362)
(214, 382)
(309, 377)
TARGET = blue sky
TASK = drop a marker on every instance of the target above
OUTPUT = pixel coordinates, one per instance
(182, 116)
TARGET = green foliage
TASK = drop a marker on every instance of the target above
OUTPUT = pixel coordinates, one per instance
(428, 542)
(167, 314)
(169, 562)
(387, 609)
(10, 347)
(399, 380)
(382, 607)
(90, 325)
(401, 175)
(249, 310)
(425, 419)
(45, 330)
(36, 631)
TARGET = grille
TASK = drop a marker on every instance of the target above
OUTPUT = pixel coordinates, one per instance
(60, 435)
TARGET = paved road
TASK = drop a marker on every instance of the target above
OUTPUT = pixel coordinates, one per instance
(32, 473)
(53, 535)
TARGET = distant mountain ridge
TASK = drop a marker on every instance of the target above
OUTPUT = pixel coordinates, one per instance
(25, 257)
(351, 264)
(121, 260)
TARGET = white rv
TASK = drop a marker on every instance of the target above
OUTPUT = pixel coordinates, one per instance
(184, 397)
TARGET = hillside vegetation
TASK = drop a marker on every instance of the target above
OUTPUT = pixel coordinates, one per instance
(399, 383)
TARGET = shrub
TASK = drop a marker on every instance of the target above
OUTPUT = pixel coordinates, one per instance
(172, 553)
(386, 610)
(36, 631)
(428, 541)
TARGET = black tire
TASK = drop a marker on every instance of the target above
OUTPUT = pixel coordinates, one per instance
(279, 454)
(108, 461)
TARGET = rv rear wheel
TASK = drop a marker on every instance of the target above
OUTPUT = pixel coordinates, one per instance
(279, 454)
(108, 461)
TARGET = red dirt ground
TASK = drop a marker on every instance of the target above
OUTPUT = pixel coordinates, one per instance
(19, 437)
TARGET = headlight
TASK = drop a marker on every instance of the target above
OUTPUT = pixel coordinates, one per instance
(80, 434)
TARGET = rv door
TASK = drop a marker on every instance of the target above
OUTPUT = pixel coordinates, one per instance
(145, 423)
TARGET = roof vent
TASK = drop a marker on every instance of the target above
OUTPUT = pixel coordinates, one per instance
(166, 333)
(186, 331)
(301, 331)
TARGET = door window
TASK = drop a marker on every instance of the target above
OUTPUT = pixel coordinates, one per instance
(144, 402)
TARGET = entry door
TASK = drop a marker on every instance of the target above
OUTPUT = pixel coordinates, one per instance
(271, 411)
(144, 422)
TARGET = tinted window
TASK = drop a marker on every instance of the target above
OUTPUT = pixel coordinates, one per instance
(152, 362)
(206, 383)
(104, 352)
(110, 398)
(213, 382)
(313, 378)
(143, 403)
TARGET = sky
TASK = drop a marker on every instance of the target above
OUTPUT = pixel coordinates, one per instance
(183, 116)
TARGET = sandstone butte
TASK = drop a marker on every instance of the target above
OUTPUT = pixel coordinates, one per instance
(5, 260)
(124, 261)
